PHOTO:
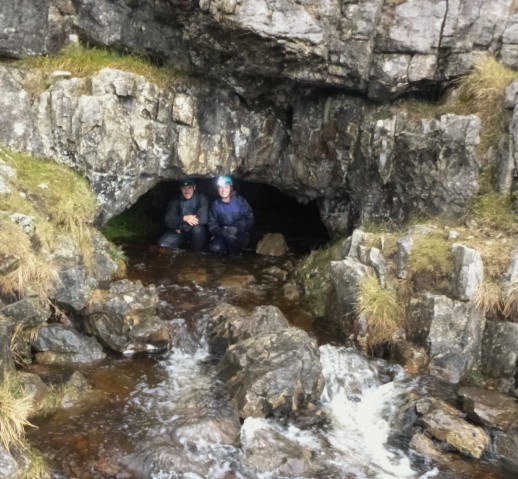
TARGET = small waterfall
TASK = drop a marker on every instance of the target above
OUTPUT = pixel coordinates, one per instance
(358, 403)
(361, 407)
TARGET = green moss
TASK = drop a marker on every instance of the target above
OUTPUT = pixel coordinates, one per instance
(430, 255)
(133, 225)
(313, 275)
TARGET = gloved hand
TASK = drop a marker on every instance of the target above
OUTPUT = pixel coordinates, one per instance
(230, 232)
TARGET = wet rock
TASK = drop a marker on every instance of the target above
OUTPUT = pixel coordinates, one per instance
(505, 447)
(468, 272)
(499, 354)
(444, 423)
(273, 373)
(413, 358)
(450, 330)
(182, 338)
(75, 389)
(268, 451)
(276, 273)
(34, 387)
(236, 281)
(229, 324)
(291, 291)
(194, 275)
(125, 318)
(489, 407)
(57, 344)
(272, 244)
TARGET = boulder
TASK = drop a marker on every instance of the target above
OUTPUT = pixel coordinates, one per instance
(29, 311)
(33, 386)
(450, 330)
(444, 423)
(273, 373)
(124, 318)
(229, 324)
(404, 248)
(268, 451)
(58, 344)
(9, 468)
(505, 447)
(413, 358)
(272, 244)
(490, 407)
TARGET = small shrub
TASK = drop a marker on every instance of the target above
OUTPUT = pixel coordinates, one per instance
(15, 407)
(381, 308)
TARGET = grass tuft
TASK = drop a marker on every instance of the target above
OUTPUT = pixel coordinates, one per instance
(83, 61)
(15, 407)
(381, 308)
(510, 309)
(482, 92)
(488, 298)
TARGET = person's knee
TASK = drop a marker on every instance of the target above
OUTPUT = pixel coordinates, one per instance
(170, 240)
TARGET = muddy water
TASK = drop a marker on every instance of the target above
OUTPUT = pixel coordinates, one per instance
(113, 432)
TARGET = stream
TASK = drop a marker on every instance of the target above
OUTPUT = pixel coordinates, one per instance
(166, 417)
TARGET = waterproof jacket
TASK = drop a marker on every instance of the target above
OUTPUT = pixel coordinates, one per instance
(179, 207)
(236, 213)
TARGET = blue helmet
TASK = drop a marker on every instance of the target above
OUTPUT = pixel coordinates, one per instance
(224, 181)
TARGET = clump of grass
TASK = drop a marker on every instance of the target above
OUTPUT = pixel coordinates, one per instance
(483, 91)
(494, 211)
(488, 298)
(15, 407)
(33, 270)
(37, 467)
(313, 275)
(81, 61)
(510, 309)
(430, 255)
(381, 308)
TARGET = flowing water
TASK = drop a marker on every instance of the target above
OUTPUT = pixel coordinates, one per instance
(169, 417)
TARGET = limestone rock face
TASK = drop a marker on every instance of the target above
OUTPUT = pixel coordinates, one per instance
(371, 46)
(468, 272)
(126, 135)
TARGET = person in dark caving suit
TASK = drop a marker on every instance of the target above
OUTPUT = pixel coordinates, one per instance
(230, 220)
(186, 217)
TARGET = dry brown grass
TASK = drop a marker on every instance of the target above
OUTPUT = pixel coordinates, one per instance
(488, 298)
(34, 272)
(510, 309)
(15, 407)
(382, 309)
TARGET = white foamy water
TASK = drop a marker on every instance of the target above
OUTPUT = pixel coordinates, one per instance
(357, 403)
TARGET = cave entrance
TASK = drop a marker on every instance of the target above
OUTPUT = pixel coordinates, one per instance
(274, 212)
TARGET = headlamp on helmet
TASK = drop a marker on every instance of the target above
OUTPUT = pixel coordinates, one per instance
(224, 181)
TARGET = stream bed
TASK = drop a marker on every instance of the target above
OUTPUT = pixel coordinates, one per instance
(163, 416)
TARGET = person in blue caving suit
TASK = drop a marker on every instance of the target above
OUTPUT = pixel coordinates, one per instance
(186, 217)
(230, 220)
